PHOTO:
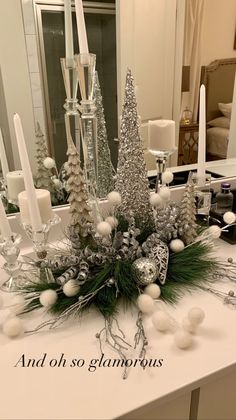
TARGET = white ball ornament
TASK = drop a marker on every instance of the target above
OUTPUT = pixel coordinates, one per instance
(167, 177)
(164, 193)
(214, 231)
(49, 163)
(161, 321)
(155, 200)
(114, 198)
(13, 327)
(104, 229)
(176, 245)
(113, 222)
(71, 288)
(188, 325)
(48, 297)
(183, 339)
(153, 290)
(145, 304)
(229, 217)
(196, 316)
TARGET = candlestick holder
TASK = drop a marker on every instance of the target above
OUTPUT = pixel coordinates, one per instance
(9, 249)
(202, 189)
(39, 240)
(161, 157)
(85, 64)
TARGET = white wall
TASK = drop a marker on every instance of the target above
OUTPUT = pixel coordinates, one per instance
(15, 74)
(218, 30)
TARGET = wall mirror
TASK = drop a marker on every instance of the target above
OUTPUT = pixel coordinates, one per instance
(156, 39)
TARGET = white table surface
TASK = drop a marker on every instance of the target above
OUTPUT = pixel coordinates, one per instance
(76, 393)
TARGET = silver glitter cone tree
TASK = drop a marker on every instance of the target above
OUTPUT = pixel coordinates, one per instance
(105, 181)
(43, 175)
(81, 220)
(132, 181)
(187, 226)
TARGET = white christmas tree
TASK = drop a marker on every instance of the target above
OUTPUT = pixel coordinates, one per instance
(187, 226)
(43, 178)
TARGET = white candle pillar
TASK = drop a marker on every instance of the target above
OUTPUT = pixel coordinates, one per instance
(82, 35)
(161, 135)
(68, 34)
(201, 160)
(35, 218)
(44, 203)
(3, 157)
(4, 224)
(15, 184)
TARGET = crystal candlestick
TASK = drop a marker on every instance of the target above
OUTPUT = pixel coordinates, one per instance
(85, 64)
(161, 157)
(40, 239)
(9, 249)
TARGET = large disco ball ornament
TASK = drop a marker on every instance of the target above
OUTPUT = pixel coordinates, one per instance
(145, 271)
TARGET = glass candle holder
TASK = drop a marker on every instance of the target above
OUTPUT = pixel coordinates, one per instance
(203, 197)
(161, 157)
(10, 250)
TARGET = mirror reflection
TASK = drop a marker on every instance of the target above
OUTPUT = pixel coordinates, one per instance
(171, 46)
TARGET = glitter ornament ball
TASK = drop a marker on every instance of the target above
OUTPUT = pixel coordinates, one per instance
(145, 304)
(13, 327)
(145, 271)
(214, 231)
(153, 290)
(113, 222)
(183, 339)
(196, 316)
(229, 217)
(155, 200)
(161, 321)
(104, 229)
(167, 177)
(188, 325)
(114, 198)
(71, 288)
(48, 297)
(164, 193)
(49, 163)
(176, 245)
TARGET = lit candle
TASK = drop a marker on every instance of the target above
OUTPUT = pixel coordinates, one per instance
(161, 135)
(3, 157)
(82, 36)
(4, 224)
(15, 184)
(201, 161)
(35, 218)
(69, 34)
(44, 203)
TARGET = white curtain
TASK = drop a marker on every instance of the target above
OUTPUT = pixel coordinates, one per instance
(192, 50)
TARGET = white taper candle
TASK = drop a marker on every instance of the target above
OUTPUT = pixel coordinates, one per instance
(68, 33)
(35, 218)
(201, 160)
(3, 157)
(82, 35)
(4, 224)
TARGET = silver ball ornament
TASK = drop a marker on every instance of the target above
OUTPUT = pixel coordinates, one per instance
(145, 271)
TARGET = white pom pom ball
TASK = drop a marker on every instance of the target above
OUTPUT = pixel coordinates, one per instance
(104, 228)
(176, 245)
(188, 325)
(164, 193)
(1, 302)
(17, 304)
(183, 339)
(229, 217)
(153, 290)
(167, 177)
(196, 316)
(71, 288)
(49, 163)
(13, 327)
(113, 222)
(145, 303)
(57, 183)
(161, 321)
(114, 198)
(48, 297)
(214, 231)
(155, 200)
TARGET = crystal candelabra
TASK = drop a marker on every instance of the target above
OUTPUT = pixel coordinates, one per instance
(161, 157)
(9, 249)
(40, 239)
(85, 64)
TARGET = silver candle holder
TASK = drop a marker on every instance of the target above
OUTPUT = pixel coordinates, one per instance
(161, 157)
